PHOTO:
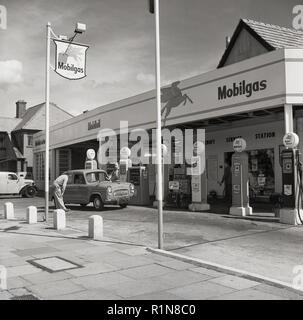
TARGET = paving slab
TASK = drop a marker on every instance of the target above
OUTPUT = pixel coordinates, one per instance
(55, 288)
(201, 291)
(146, 271)
(101, 280)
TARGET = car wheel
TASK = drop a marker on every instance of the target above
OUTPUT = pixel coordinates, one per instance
(98, 203)
(123, 205)
(30, 192)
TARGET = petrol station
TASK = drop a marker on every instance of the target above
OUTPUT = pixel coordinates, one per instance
(246, 106)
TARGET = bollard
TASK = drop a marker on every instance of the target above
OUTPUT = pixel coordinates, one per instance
(9, 211)
(31, 215)
(95, 227)
(59, 219)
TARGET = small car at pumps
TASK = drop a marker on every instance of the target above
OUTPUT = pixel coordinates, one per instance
(94, 186)
(14, 184)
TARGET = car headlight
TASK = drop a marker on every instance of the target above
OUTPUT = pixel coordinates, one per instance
(109, 190)
(132, 188)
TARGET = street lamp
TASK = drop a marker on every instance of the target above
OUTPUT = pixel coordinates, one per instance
(80, 28)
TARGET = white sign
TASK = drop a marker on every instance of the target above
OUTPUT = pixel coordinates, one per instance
(291, 140)
(70, 60)
(239, 145)
(90, 154)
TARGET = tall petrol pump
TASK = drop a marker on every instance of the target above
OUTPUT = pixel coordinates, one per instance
(90, 162)
(240, 180)
(292, 212)
(125, 163)
(198, 179)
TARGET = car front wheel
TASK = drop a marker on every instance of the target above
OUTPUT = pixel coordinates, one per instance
(30, 192)
(123, 205)
(98, 203)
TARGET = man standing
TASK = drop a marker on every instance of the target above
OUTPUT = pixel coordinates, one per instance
(60, 185)
(115, 175)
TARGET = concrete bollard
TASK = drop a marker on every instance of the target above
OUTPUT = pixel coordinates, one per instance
(95, 227)
(59, 219)
(31, 215)
(9, 211)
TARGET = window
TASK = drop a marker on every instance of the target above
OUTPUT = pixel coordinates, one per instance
(30, 140)
(95, 177)
(79, 179)
(12, 177)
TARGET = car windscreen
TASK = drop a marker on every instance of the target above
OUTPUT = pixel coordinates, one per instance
(93, 177)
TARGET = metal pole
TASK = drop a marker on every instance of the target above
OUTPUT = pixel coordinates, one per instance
(46, 176)
(159, 125)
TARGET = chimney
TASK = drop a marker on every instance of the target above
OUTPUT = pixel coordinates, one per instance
(227, 39)
(20, 108)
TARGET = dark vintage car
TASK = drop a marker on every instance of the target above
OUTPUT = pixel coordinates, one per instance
(86, 186)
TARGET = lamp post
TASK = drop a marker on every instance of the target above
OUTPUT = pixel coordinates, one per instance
(80, 28)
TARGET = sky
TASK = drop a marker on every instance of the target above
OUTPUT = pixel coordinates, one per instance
(120, 35)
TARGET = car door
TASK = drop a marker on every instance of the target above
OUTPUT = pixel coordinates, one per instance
(77, 190)
(12, 183)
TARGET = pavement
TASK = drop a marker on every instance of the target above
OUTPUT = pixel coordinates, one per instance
(119, 267)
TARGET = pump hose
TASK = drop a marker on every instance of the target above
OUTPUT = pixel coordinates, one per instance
(300, 184)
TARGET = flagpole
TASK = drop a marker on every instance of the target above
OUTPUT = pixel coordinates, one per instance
(159, 125)
(46, 175)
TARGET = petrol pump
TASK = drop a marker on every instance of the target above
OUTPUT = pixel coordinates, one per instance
(90, 162)
(125, 163)
(240, 180)
(292, 212)
(198, 179)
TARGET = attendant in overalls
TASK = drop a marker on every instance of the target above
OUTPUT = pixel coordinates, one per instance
(60, 185)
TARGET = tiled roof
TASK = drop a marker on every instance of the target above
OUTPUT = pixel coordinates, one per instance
(28, 116)
(8, 124)
(278, 37)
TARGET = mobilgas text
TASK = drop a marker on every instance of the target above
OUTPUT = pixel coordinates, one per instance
(66, 66)
(241, 88)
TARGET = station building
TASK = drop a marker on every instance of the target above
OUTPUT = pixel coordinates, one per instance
(255, 93)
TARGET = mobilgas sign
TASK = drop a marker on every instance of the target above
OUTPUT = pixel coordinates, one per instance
(240, 89)
(70, 59)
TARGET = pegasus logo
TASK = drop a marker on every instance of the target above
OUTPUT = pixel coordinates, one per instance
(173, 97)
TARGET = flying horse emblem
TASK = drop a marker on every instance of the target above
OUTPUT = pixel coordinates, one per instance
(173, 97)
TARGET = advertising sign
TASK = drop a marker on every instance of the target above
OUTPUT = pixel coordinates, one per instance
(70, 59)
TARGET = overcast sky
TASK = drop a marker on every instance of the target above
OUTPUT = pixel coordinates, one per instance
(120, 33)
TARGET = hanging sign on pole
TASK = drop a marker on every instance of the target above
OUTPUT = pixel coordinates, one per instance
(70, 59)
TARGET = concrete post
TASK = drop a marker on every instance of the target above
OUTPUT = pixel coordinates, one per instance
(59, 219)
(95, 227)
(31, 215)
(9, 211)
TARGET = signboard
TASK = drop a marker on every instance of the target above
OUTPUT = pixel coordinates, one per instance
(291, 140)
(70, 59)
(174, 185)
(239, 145)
